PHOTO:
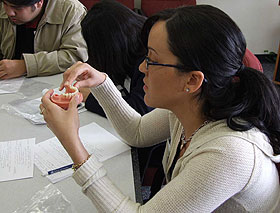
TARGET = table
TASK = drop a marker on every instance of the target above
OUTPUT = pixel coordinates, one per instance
(15, 193)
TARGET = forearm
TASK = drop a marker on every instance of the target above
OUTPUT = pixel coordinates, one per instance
(78, 153)
(99, 189)
(73, 146)
(50, 63)
(206, 174)
(41, 64)
(136, 101)
(137, 130)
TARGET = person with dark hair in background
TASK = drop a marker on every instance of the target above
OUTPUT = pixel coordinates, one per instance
(40, 37)
(222, 119)
(113, 36)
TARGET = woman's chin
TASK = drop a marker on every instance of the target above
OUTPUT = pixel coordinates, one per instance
(148, 101)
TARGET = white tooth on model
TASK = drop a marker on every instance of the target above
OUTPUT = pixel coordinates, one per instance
(69, 95)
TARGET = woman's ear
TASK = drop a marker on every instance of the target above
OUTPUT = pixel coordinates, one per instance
(194, 81)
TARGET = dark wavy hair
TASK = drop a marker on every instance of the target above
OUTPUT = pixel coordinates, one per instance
(205, 38)
(113, 36)
(22, 2)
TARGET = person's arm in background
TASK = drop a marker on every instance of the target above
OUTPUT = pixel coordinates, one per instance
(135, 97)
(72, 46)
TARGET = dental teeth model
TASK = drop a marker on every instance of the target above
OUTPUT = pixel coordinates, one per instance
(70, 92)
(63, 100)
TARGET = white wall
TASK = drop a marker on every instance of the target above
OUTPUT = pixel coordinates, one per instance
(137, 3)
(259, 20)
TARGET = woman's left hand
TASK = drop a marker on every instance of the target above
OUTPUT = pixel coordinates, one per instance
(65, 125)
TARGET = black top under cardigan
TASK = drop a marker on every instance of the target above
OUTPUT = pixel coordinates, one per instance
(134, 97)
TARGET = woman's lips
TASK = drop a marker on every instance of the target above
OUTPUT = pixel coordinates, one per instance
(145, 87)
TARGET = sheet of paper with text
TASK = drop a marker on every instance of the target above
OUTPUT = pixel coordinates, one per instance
(17, 159)
(50, 154)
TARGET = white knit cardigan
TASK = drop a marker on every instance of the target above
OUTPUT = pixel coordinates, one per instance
(222, 170)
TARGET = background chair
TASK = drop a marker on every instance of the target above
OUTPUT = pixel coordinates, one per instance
(250, 60)
(89, 3)
(149, 7)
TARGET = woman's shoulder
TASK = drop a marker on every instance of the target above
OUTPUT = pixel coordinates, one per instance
(217, 129)
(218, 134)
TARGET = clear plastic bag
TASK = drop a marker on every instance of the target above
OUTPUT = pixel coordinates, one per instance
(29, 109)
(31, 87)
(11, 85)
(23, 86)
(48, 200)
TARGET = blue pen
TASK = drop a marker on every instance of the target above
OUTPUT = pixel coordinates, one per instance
(58, 169)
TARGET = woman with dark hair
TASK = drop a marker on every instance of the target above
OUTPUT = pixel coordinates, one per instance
(113, 36)
(222, 119)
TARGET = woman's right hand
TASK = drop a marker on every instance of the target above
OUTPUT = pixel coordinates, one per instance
(84, 74)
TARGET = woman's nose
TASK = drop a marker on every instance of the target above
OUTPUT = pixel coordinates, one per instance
(142, 67)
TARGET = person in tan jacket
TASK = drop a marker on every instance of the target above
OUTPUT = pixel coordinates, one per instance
(40, 37)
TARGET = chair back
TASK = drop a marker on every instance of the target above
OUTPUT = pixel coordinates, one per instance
(150, 7)
(250, 60)
(89, 3)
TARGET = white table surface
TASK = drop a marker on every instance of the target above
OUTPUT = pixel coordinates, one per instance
(14, 194)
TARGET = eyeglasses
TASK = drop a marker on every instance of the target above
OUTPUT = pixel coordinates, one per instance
(148, 63)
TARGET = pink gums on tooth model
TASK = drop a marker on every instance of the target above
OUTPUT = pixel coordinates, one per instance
(63, 100)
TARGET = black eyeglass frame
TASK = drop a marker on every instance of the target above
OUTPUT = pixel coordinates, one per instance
(148, 63)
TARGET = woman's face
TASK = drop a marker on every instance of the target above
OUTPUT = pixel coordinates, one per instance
(163, 86)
